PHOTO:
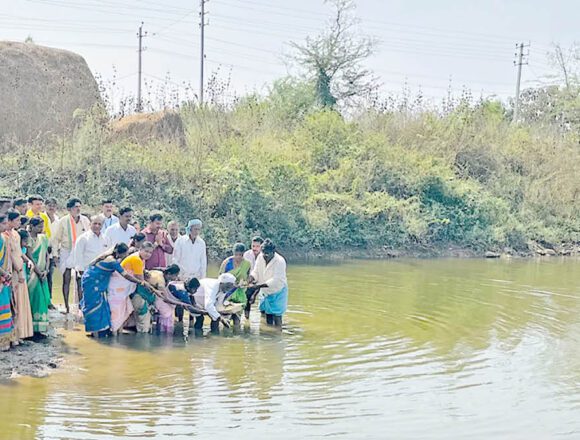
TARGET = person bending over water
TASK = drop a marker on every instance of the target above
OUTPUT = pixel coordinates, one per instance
(269, 278)
(95, 283)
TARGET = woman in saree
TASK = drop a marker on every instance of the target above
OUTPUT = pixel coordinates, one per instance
(6, 323)
(239, 267)
(23, 315)
(121, 288)
(95, 284)
(38, 292)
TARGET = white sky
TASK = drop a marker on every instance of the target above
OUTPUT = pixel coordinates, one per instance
(422, 42)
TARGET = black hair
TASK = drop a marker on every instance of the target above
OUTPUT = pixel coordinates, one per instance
(35, 198)
(192, 284)
(268, 245)
(2, 217)
(125, 210)
(106, 201)
(24, 221)
(72, 202)
(12, 214)
(239, 247)
(35, 221)
(154, 217)
(51, 201)
(120, 248)
(19, 202)
(257, 239)
(23, 234)
(172, 269)
(139, 236)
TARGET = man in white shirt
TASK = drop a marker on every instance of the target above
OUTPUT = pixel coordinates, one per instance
(172, 236)
(252, 254)
(269, 276)
(209, 296)
(109, 219)
(190, 252)
(90, 245)
(63, 238)
(122, 231)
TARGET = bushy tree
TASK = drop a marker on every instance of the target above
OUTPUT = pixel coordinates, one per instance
(334, 58)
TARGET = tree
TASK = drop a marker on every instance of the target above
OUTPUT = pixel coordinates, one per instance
(333, 59)
(567, 62)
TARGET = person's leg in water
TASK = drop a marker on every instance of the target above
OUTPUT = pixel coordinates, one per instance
(78, 277)
(269, 318)
(278, 321)
(66, 276)
(215, 326)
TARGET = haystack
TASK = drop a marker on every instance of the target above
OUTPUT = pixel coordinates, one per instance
(40, 88)
(145, 128)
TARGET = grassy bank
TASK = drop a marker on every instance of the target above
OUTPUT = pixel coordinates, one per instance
(316, 182)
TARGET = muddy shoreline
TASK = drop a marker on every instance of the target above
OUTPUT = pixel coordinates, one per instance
(37, 359)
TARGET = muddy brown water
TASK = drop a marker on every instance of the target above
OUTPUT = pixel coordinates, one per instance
(406, 349)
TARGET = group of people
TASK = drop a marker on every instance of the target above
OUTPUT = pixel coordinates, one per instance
(125, 277)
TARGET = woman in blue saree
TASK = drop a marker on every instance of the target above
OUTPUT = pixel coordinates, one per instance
(95, 283)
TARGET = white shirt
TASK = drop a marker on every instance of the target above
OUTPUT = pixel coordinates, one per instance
(169, 257)
(190, 257)
(115, 234)
(109, 221)
(62, 235)
(273, 274)
(251, 257)
(211, 288)
(88, 247)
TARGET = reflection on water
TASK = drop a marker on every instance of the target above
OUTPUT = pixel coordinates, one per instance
(395, 349)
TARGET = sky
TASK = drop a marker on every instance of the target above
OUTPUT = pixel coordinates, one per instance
(423, 45)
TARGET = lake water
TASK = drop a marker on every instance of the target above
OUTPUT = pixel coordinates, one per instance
(402, 349)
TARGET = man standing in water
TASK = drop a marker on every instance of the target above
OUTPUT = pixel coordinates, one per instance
(66, 232)
(122, 231)
(109, 219)
(252, 254)
(269, 278)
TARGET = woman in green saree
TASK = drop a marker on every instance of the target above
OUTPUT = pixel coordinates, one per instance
(37, 252)
(239, 267)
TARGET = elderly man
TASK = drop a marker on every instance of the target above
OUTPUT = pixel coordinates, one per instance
(172, 236)
(122, 231)
(190, 252)
(159, 237)
(90, 245)
(67, 230)
(269, 278)
(206, 296)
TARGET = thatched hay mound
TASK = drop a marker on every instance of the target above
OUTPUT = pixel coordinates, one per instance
(144, 128)
(40, 88)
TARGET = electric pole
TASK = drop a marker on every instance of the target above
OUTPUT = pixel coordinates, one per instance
(202, 51)
(520, 62)
(140, 35)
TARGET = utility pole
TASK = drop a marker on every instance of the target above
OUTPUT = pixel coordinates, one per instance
(140, 35)
(520, 62)
(202, 51)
